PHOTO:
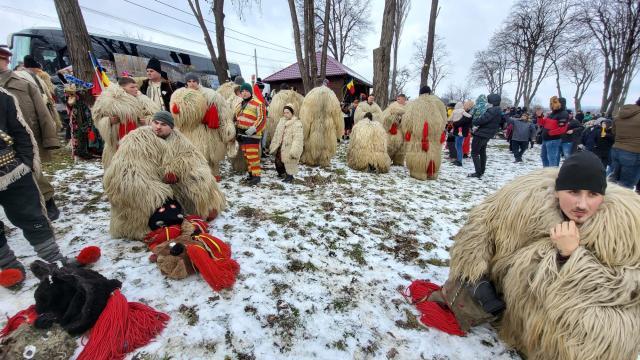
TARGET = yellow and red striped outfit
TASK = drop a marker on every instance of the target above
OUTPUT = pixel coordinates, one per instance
(247, 114)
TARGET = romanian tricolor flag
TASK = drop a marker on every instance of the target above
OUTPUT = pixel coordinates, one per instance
(99, 76)
(351, 87)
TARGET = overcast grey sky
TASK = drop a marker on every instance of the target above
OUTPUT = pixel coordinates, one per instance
(465, 25)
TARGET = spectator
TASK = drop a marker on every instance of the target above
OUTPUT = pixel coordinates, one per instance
(553, 128)
(626, 149)
(488, 125)
(603, 140)
(571, 139)
(523, 131)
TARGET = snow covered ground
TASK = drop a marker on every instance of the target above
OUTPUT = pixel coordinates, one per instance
(321, 260)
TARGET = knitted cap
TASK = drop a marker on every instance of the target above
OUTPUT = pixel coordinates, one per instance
(582, 171)
(246, 86)
(30, 62)
(165, 117)
(425, 90)
(239, 80)
(191, 76)
(154, 64)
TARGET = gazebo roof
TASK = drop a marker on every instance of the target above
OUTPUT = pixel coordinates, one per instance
(334, 68)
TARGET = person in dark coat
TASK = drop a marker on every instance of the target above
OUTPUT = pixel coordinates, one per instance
(553, 127)
(19, 194)
(603, 139)
(571, 139)
(523, 131)
(157, 87)
(487, 126)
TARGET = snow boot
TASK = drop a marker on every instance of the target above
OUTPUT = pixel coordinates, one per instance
(13, 272)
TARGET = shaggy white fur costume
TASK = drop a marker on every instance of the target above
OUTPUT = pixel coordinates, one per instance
(276, 106)
(392, 122)
(368, 147)
(134, 181)
(424, 160)
(587, 309)
(114, 101)
(323, 125)
(148, 108)
(364, 108)
(289, 137)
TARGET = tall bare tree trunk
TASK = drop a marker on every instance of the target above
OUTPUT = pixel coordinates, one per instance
(77, 39)
(325, 41)
(221, 71)
(382, 55)
(218, 16)
(296, 39)
(310, 36)
(555, 66)
(402, 10)
(424, 75)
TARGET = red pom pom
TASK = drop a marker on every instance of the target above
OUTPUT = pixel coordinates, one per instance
(88, 255)
(407, 136)
(212, 215)
(175, 109)
(10, 277)
(394, 129)
(153, 258)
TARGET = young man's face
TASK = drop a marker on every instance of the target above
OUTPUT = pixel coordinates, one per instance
(401, 100)
(131, 89)
(153, 75)
(4, 64)
(579, 205)
(245, 94)
(161, 128)
(371, 99)
(192, 84)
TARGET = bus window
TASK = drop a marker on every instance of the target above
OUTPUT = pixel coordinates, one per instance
(20, 48)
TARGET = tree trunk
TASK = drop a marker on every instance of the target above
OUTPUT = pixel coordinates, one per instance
(218, 16)
(197, 12)
(424, 75)
(296, 39)
(310, 34)
(396, 40)
(382, 55)
(555, 66)
(78, 42)
(325, 41)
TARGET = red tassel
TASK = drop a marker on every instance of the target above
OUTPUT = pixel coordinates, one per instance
(431, 168)
(88, 255)
(91, 136)
(218, 273)
(126, 128)
(434, 314)
(211, 118)
(27, 315)
(121, 328)
(197, 221)
(165, 233)
(425, 137)
(218, 248)
(394, 129)
(443, 137)
(175, 108)
(10, 277)
(407, 136)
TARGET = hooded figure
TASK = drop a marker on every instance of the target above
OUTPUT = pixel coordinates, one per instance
(486, 127)
(206, 119)
(287, 143)
(553, 128)
(392, 120)
(147, 170)
(277, 104)
(364, 107)
(580, 304)
(423, 125)
(115, 114)
(367, 148)
(323, 125)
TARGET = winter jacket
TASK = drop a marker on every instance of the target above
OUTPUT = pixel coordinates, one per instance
(166, 87)
(555, 125)
(604, 143)
(250, 113)
(289, 137)
(588, 139)
(626, 128)
(576, 127)
(489, 123)
(522, 130)
(462, 126)
(34, 112)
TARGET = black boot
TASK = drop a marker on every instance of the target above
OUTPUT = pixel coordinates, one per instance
(255, 180)
(474, 175)
(288, 179)
(53, 213)
(247, 179)
(457, 163)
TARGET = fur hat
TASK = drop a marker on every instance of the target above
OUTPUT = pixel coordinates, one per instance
(5, 53)
(425, 90)
(191, 76)
(246, 86)
(30, 62)
(165, 117)
(154, 64)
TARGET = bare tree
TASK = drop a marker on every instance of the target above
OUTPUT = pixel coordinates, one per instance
(615, 25)
(457, 93)
(439, 68)
(580, 67)
(77, 40)
(302, 64)
(382, 54)
(325, 40)
(428, 58)
(219, 63)
(305, 42)
(403, 77)
(402, 11)
(630, 75)
(241, 6)
(349, 21)
(490, 69)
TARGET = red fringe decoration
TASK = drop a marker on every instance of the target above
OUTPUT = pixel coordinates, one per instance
(218, 248)
(27, 315)
(443, 137)
(394, 129)
(197, 221)
(88, 255)
(431, 168)
(434, 314)
(218, 273)
(211, 118)
(10, 277)
(126, 128)
(425, 137)
(121, 328)
(165, 233)
(407, 136)
(258, 94)
(175, 108)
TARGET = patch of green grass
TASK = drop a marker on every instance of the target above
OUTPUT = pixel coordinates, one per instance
(190, 313)
(342, 304)
(340, 345)
(279, 218)
(411, 322)
(279, 288)
(428, 246)
(357, 255)
(146, 356)
(272, 233)
(427, 222)
(437, 262)
(341, 172)
(296, 266)
(60, 159)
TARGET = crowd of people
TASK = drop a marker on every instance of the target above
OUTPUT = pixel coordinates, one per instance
(164, 144)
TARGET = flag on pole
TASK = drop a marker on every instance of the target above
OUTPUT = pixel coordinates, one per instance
(351, 87)
(99, 76)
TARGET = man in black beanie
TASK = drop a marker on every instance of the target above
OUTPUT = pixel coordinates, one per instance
(157, 87)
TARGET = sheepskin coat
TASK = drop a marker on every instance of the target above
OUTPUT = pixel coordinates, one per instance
(364, 108)
(423, 125)
(134, 181)
(589, 308)
(289, 137)
(227, 90)
(114, 101)
(276, 106)
(224, 140)
(368, 147)
(148, 108)
(323, 124)
(392, 121)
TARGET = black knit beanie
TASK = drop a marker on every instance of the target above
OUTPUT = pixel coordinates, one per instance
(425, 90)
(154, 64)
(30, 62)
(582, 171)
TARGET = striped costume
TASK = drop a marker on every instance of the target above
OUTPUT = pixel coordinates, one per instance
(251, 113)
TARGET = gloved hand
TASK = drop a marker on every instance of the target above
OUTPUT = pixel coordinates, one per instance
(250, 131)
(170, 178)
